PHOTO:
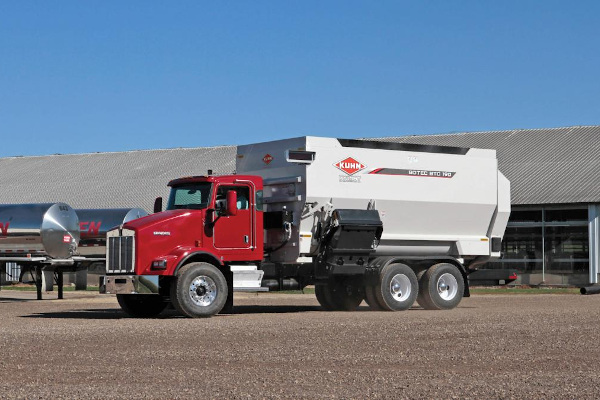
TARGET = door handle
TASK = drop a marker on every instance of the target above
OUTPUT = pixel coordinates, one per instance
(245, 238)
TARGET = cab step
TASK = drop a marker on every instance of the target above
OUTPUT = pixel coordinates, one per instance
(247, 278)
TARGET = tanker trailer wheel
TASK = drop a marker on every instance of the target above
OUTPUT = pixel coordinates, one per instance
(339, 296)
(397, 287)
(141, 305)
(199, 290)
(441, 287)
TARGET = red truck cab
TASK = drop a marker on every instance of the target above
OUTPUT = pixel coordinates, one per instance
(209, 223)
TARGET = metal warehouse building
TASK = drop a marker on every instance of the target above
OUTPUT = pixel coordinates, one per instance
(553, 236)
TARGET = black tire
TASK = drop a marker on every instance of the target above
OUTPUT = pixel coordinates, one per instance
(397, 287)
(323, 298)
(339, 296)
(349, 296)
(141, 305)
(442, 287)
(422, 288)
(199, 290)
(371, 298)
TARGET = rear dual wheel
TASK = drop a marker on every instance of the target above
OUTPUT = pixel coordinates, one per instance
(396, 289)
(371, 299)
(339, 296)
(441, 287)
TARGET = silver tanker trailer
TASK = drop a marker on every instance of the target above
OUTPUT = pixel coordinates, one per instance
(38, 231)
(94, 223)
(53, 237)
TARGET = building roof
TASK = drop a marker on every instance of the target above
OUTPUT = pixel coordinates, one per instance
(545, 166)
(107, 180)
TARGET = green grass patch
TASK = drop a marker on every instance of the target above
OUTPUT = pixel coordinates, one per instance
(307, 290)
(521, 290)
(32, 288)
(508, 290)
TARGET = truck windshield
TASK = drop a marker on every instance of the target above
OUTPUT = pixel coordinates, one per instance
(193, 196)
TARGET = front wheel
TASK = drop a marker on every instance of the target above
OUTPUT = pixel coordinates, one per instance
(199, 290)
(141, 305)
(441, 287)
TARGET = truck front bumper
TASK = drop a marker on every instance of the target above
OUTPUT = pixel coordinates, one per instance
(129, 284)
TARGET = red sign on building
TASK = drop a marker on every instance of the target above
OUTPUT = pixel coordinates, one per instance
(267, 159)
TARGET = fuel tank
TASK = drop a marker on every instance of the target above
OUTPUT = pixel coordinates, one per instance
(49, 229)
(94, 223)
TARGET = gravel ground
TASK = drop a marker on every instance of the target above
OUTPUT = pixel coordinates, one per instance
(281, 346)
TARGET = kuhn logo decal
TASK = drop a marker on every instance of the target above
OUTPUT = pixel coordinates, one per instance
(350, 166)
(267, 159)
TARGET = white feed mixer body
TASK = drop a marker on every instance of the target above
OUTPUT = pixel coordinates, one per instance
(432, 200)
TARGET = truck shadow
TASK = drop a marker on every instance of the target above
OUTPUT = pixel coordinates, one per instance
(287, 309)
(273, 309)
(116, 313)
(13, 300)
(81, 314)
(170, 314)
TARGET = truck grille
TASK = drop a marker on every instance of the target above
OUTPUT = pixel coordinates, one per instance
(120, 254)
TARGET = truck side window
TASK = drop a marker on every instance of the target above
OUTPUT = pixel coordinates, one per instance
(243, 196)
(259, 200)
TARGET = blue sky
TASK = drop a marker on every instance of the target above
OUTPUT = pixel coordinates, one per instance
(87, 76)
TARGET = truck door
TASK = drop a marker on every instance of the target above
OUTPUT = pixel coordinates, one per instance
(234, 232)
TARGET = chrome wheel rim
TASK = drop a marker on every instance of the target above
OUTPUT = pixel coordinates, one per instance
(400, 287)
(203, 291)
(447, 286)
